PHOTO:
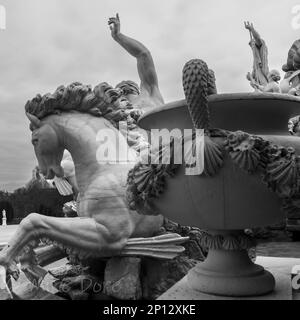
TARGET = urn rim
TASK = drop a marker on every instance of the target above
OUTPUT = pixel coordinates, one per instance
(260, 113)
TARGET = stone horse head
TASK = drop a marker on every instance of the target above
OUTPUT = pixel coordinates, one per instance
(47, 147)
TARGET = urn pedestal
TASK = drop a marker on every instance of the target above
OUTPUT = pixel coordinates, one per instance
(230, 273)
(233, 199)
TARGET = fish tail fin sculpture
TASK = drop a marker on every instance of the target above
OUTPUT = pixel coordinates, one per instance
(166, 246)
(198, 84)
(195, 78)
(63, 186)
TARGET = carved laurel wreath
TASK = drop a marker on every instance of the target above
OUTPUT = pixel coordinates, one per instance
(279, 168)
(146, 182)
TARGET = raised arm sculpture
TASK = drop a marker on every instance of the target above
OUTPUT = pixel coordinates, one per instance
(148, 95)
(261, 79)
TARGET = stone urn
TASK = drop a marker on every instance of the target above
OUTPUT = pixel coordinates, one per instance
(255, 183)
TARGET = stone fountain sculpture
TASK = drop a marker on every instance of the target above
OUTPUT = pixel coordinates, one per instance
(79, 119)
(251, 177)
(250, 172)
(261, 78)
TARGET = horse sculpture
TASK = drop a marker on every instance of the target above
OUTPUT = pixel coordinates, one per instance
(71, 119)
(105, 224)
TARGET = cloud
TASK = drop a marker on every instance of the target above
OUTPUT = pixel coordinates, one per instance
(52, 42)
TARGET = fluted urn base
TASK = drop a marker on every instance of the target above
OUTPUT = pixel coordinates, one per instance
(230, 273)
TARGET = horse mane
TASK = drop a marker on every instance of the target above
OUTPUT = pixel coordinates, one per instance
(98, 102)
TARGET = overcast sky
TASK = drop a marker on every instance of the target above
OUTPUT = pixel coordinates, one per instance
(52, 42)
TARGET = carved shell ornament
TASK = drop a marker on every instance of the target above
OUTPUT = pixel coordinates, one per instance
(242, 150)
(283, 173)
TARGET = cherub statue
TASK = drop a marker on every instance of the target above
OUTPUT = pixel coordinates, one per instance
(261, 79)
(148, 95)
(271, 86)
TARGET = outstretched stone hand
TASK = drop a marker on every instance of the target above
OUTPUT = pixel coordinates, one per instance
(114, 25)
(249, 26)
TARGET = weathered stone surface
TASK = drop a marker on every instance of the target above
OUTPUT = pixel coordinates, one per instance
(158, 276)
(96, 266)
(122, 278)
(64, 271)
(46, 255)
(4, 295)
(5, 285)
(129, 277)
(28, 291)
(193, 248)
(80, 287)
(78, 295)
(24, 290)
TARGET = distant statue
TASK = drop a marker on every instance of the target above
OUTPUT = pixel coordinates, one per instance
(291, 82)
(148, 94)
(4, 218)
(261, 79)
